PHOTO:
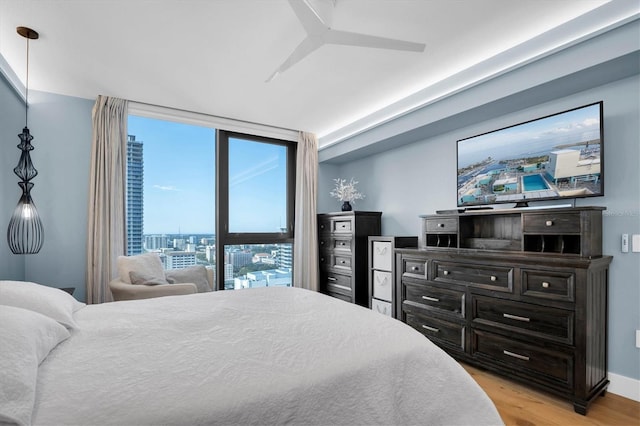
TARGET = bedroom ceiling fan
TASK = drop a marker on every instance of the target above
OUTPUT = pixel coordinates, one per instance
(319, 34)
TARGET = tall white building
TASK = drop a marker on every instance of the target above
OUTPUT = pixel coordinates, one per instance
(180, 259)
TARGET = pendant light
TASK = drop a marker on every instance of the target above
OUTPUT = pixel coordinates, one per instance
(26, 233)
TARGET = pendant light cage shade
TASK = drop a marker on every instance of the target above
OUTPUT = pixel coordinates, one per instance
(25, 234)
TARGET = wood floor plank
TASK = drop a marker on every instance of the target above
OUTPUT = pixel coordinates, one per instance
(520, 405)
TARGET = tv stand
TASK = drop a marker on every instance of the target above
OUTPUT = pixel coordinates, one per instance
(470, 209)
(520, 293)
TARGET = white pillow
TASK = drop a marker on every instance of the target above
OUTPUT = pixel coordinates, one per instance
(147, 264)
(52, 302)
(26, 338)
(196, 274)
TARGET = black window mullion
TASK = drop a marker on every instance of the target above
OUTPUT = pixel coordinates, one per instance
(223, 236)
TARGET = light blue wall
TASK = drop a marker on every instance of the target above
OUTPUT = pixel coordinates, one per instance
(407, 167)
(420, 178)
(61, 127)
(11, 124)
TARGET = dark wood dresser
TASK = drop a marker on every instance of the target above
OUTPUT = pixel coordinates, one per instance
(342, 240)
(520, 292)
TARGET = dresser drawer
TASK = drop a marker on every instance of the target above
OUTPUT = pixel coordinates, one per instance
(540, 364)
(532, 320)
(548, 285)
(449, 333)
(330, 243)
(335, 225)
(382, 255)
(414, 268)
(497, 278)
(382, 285)
(337, 283)
(550, 223)
(381, 307)
(444, 224)
(335, 261)
(430, 297)
(342, 244)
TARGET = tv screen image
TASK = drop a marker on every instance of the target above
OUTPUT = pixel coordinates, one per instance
(555, 157)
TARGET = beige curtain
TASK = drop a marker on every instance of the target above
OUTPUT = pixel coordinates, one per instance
(305, 251)
(106, 232)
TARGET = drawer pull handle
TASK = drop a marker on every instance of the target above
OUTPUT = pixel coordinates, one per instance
(549, 223)
(441, 225)
(516, 317)
(343, 262)
(332, 279)
(514, 355)
(426, 327)
(415, 268)
(445, 272)
(431, 299)
(494, 278)
(545, 284)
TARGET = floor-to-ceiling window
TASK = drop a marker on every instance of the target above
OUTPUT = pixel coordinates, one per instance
(197, 195)
(256, 182)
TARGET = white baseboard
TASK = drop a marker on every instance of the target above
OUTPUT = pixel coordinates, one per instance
(624, 386)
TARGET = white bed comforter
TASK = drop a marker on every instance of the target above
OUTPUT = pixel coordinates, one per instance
(259, 356)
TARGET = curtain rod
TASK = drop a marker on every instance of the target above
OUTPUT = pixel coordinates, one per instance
(158, 111)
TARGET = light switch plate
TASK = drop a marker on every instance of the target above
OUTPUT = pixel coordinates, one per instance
(625, 243)
(635, 243)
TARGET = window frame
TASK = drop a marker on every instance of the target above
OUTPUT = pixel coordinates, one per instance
(223, 236)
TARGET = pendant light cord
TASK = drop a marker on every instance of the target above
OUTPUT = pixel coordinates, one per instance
(26, 95)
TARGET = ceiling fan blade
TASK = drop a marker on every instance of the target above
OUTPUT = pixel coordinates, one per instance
(308, 17)
(308, 45)
(363, 40)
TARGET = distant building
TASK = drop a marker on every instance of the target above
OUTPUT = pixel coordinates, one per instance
(210, 252)
(238, 258)
(270, 278)
(179, 259)
(134, 207)
(285, 257)
(155, 242)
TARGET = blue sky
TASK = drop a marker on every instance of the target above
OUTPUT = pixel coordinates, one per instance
(179, 180)
(573, 126)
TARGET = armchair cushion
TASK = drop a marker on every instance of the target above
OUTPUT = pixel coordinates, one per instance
(147, 265)
(143, 279)
(196, 274)
(126, 291)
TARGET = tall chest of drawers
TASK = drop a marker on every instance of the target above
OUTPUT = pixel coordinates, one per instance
(520, 293)
(342, 240)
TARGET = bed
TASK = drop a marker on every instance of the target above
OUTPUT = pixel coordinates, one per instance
(255, 356)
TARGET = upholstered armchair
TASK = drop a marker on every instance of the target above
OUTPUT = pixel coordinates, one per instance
(143, 277)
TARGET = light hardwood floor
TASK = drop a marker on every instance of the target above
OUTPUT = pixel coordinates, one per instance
(523, 406)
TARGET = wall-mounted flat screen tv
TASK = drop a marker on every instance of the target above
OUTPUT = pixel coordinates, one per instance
(557, 157)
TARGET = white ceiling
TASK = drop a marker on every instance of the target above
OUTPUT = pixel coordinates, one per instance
(214, 56)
